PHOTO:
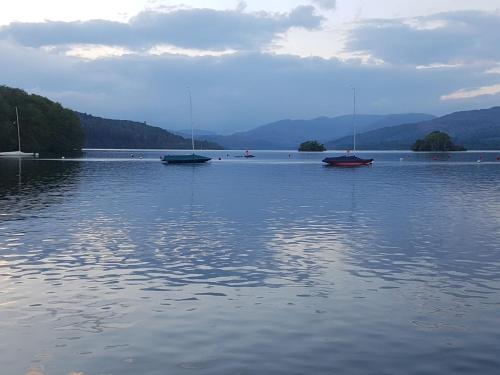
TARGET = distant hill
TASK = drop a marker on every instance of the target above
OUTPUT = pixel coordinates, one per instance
(45, 126)
(107, 133)
(198, 133)
(478, 129)
(287, 134)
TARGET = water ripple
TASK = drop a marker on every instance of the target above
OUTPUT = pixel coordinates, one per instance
(110, 267)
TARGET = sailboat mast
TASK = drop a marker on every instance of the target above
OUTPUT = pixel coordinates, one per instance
(354, 117)
(191, 118)
(18, 131)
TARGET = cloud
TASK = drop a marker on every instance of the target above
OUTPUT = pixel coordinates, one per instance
(428, 64)
(472, 93)
(233, 92)
(326, 4)
(185, 28)
(445, 38)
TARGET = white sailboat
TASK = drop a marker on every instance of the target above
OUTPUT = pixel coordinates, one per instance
(18, 153)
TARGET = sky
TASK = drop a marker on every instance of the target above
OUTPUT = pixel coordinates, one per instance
(252, 62)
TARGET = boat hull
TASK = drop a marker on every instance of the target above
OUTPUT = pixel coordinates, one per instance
(347, 161)
(184, 159)
(17, 154)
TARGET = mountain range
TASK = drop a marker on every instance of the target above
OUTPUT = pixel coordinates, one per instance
(476, 129)
(288, 134)
(47, 126)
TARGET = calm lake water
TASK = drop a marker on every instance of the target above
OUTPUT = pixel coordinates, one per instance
(278, 265)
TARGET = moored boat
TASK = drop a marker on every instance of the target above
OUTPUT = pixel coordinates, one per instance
(347, 161)
(18, 153)
(184, 159)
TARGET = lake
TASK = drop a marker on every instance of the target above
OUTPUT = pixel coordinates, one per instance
(117, 264)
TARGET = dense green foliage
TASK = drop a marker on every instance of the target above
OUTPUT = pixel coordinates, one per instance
(311, 146)
(45, 126)
(436, 141)
(106, 133)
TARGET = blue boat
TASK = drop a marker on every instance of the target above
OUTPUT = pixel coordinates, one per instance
(349, 160)
(186, 158)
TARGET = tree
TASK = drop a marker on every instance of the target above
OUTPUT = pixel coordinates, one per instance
(436, 141)
(45, 126)
(312, 146)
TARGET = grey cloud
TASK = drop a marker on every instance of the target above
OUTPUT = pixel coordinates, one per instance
(233, 92)
(326, 4)
(454, 37)
(185, 28)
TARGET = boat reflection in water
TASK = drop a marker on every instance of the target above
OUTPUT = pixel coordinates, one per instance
(28, 186)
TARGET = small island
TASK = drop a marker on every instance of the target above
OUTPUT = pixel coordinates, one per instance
(436, 141)
(312, 146)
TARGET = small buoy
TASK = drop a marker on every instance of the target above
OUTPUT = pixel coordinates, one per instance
(479, 160)
(498, 158)
(62, 157)
(401, 159)
(220, 158)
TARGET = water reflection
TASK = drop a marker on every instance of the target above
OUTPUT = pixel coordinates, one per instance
(427, 224)
(28, 185)
(121, 266)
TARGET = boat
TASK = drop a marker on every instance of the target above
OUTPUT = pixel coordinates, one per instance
(349, 160)
(18, 153)
(186, 158)
(248, 154)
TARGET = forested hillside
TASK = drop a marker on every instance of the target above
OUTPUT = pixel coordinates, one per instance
(45, 126)
(107, 133)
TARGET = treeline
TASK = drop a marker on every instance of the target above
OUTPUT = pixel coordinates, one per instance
(312, 146)
(436, 141)
(45, 126)
(107, 133)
